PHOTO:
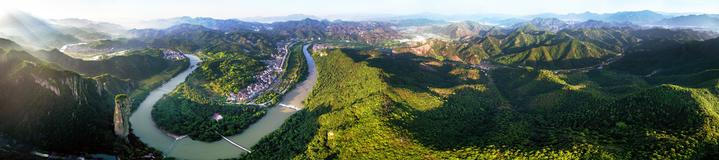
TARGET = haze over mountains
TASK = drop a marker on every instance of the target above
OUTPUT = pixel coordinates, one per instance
(57, 32)
(624, 85)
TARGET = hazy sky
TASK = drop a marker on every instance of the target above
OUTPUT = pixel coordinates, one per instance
(118, 10)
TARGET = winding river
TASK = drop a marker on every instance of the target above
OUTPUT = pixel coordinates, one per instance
(186, 148)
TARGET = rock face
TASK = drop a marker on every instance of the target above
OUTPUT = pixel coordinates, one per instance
(122, 115)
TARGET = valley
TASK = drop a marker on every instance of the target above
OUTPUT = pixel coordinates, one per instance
(187, 148)
(610, 85)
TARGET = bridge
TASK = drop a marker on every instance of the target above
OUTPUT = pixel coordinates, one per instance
(290, 106)
(177, 138)
(233, 143)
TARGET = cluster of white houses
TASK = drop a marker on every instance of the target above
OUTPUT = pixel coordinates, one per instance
(264, 79)
(172, 54)
(320, 46)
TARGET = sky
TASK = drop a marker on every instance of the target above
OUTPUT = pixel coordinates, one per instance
(125, 10)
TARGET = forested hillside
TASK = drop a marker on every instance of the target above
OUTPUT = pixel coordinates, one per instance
(136, 65)
(625, 85)
(195, 38)
(187, 111)
(50, 108)
(377, 107)
(45, 107)
(548, 44)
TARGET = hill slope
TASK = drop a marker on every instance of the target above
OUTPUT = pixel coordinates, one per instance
(51, 109)
(364, 107)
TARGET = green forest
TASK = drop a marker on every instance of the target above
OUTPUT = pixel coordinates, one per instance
(181, 116)
(624, 85)
(393, 106)
(295, 70)
(188, 110)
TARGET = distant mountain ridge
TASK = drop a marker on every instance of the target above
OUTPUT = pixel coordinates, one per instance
(291, 17)
(553, 45)
(693, 21)
(366, 31)
(88, 30)
(637, 17)
(31, 31)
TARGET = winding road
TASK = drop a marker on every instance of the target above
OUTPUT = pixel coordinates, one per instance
(186, 148)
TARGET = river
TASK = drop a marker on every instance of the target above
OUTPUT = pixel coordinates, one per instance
(144, 128)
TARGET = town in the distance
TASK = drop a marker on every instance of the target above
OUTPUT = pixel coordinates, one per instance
(540, 81)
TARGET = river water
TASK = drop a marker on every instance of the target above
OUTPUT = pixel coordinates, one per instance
(147, 131)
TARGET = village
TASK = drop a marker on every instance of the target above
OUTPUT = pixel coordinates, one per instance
(265, 79)
(172, 54)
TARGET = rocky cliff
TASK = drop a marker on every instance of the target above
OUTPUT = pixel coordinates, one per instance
(122, 115)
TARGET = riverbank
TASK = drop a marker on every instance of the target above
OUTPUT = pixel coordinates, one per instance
(186, 148)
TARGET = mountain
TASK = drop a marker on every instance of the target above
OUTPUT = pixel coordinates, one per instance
(216, 24)
(88, 30)
(555, 25)
(674, 34)
(638, 17)
(462, 29)
(635, 17)
(616, 39)
(365, 31)
(89, 25)
(136, 65)
(529, 46)
(415, 22)
(292, 17)
(585, 16)
(693, 21)
(594, 24)
(49, 108)
(30, 31)
(545, 24)
(564, 54)
(9, 44)
(193, 38)
(671, 60)
(403, 106)
(572, 46)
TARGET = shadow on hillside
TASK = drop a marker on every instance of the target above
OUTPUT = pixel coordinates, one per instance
(468, 118)
(475, 118)
(409, 71)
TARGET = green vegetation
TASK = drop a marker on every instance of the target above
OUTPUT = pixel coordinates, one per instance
(144, 70)
(197, 39)
(136, 65)
(659, 100)
(181, 116)
(673, 59)
(188, 110)
(269, 97)
(295, 70)
(529, 46)
(569, 54)
(228, 72)
(49, 109)
(404, 107)
(147, 85)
